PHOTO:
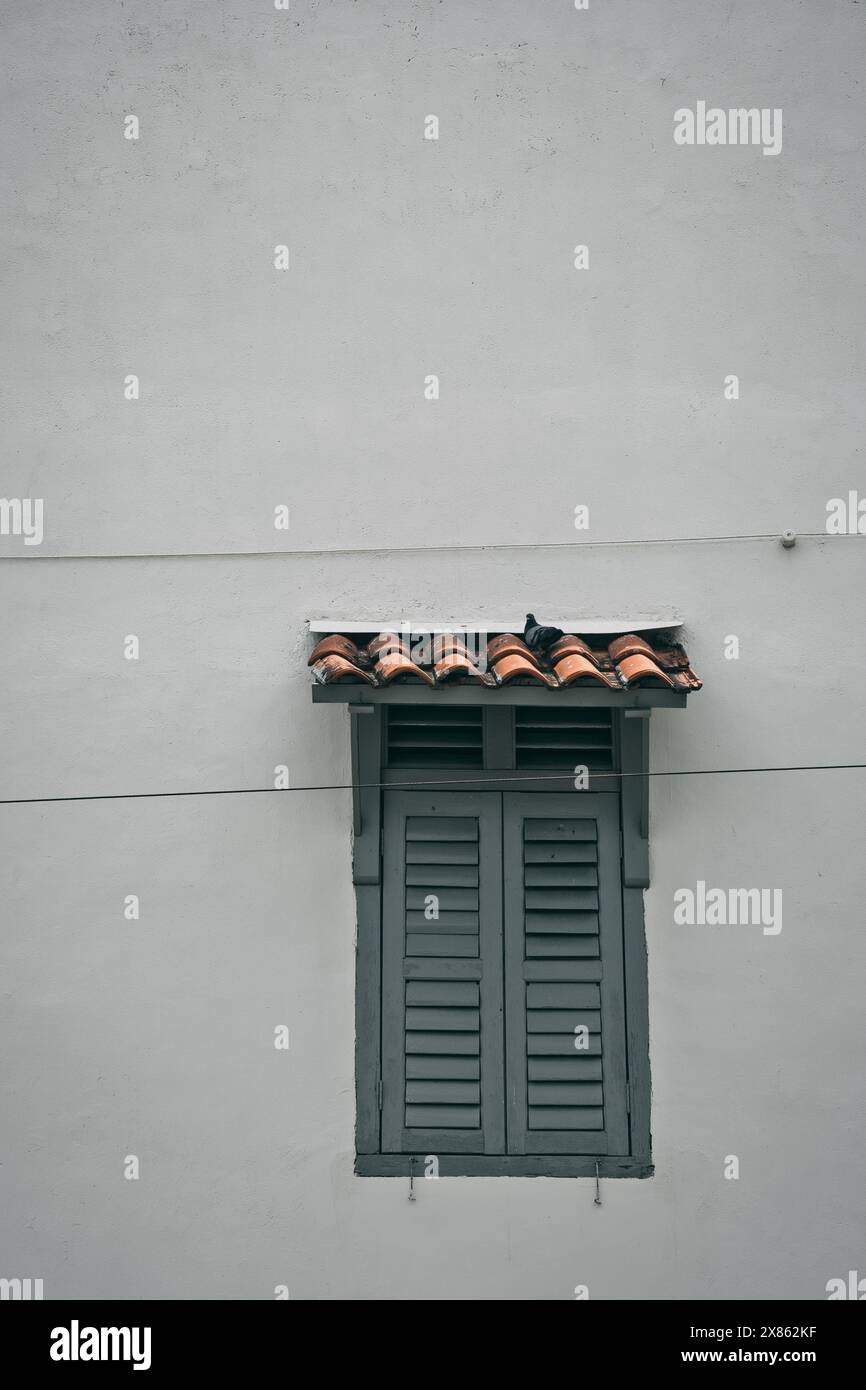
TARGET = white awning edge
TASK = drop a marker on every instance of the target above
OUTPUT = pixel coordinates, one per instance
(419, 623)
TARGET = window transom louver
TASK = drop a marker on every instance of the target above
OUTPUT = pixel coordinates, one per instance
(555, 739)
(433, 736)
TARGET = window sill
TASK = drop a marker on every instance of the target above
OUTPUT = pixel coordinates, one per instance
(502, 1166)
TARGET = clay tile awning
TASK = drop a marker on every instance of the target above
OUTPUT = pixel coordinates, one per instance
(642, 667)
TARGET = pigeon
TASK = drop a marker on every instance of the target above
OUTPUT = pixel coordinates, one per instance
(539, 638)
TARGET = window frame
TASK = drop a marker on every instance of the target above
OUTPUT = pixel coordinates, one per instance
(371, 779)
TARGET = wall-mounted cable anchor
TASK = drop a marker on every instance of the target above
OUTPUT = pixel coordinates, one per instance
(412, 1179)
(597, 1198)
(788, 539)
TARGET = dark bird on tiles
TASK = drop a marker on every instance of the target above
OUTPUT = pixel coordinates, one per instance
(537, 637)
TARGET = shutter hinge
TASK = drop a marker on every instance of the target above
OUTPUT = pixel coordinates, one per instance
(628, 1097)
(381, 842)
(621, 848)
(379, 1092)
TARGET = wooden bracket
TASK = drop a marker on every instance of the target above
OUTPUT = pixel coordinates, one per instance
(354, 711)
(634, 746)
(366, 745)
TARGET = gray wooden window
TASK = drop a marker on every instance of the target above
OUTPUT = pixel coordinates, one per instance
(502, 1023)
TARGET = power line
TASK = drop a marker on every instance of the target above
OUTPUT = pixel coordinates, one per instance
(442, 549)
(484, 781)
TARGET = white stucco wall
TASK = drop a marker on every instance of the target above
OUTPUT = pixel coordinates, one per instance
(558, 387)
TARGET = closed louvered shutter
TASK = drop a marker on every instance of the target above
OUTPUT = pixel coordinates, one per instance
(442, 1033)
(563, 972)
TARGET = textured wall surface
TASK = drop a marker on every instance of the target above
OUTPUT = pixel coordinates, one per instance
(305, 387)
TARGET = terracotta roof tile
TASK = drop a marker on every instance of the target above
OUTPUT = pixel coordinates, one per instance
(574, 668)
(569, 645)
(632, 670)
(444, 643)
(626, 662)
(629, 645)
(335, 645)
(394, 666)
(454, 664)
(518, 667)
(336, 668)
(509, 645)
(387, 642)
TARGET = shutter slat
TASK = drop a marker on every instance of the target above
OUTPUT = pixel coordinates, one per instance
(562, 1020)
(442, 852)
(540, 1117)
(537, 829)
(550, 923)
(569, 1093)
(442, 875)
(560, 876)
(560, 899)
(435, 757)
(445, 922)
(434, 718)
(416, 969)
(562, 996)
(576, 1068)
(561, 1045)
(559, 738)
(434, 714)
(443, 739)
(443, 1092)
(572, 718)
(441, 828)
(561, 947)
(436, 1044)
(549, 760)
(456, 993)
(464, 898)
(450, 1020)
(559, 852)
(437, 1068)
(443, 1117)
(562, 972)
(423, 944)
